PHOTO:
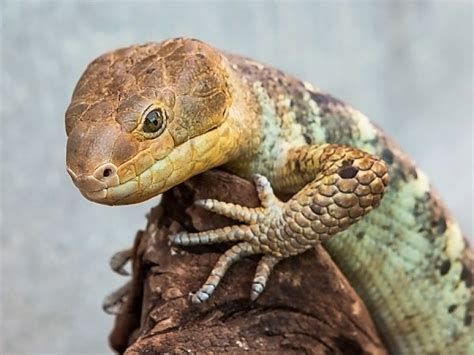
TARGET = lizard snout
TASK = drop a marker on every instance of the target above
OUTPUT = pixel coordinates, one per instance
(103, 177)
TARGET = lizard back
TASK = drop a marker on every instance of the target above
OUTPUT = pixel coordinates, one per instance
(407, 259)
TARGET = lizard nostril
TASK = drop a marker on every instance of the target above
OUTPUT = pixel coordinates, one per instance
(106, 173)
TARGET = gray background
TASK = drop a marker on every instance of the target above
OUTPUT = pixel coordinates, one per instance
(407, 65)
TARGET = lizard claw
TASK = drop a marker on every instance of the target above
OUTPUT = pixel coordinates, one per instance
(119, 260)
(236, 253)
(265, 191)
(264, 268)
(113, 302)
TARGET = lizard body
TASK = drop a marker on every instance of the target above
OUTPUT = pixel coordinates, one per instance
(145, 118)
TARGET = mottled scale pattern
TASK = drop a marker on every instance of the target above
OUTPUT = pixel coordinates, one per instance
(406, 258)
(338, 180)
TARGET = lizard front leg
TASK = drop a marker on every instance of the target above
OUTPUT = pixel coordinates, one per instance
(344, 184)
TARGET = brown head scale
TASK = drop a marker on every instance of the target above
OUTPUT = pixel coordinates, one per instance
(132, 109)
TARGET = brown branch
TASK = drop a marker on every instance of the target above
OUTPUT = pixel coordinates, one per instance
(308, 306)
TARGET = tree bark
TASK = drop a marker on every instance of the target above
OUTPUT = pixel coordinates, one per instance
(307, 307)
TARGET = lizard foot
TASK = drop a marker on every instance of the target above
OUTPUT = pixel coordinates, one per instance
(252, 238)
(348, 184)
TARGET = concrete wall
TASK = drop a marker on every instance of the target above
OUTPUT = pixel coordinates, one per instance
(407, 65)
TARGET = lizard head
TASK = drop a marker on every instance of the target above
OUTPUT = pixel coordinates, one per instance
(144, 118)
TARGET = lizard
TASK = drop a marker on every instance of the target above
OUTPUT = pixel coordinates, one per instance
(145, 118)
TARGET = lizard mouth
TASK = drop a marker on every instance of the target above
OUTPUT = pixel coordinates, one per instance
(120, 188)
(143, 177)
(90, 186)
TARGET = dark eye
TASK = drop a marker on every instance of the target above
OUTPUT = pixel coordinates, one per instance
(153, 121)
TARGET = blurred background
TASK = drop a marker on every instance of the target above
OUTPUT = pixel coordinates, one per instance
(407, 65)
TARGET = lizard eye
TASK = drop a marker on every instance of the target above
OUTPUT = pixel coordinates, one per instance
(154, 123)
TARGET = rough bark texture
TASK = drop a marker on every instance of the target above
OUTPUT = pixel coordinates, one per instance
(308, 306)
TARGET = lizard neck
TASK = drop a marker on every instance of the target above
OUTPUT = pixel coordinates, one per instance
(280, 112)
(268, 125)
(243, 119)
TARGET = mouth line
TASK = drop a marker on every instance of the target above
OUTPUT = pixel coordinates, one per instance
(74, 180)
(103, 193)
(157, 161)
(151, 166)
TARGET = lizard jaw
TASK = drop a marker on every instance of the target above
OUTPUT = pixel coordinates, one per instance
(125, 186)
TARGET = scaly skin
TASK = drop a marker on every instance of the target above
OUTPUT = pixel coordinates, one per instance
(406, 258)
